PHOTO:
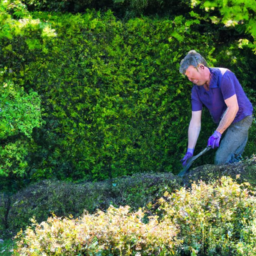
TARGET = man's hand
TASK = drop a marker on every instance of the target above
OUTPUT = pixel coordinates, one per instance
(214, 140)
(187, 156)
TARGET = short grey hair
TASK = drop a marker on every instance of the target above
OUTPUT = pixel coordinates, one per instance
(192, 58)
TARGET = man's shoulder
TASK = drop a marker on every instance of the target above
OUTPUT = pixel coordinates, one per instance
(220, 70)
(220, 75)
(223, 70)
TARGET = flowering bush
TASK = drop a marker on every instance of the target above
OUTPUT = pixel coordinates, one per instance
(214, 219)
(116, 232)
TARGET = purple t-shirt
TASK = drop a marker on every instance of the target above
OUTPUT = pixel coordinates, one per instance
(221, 88)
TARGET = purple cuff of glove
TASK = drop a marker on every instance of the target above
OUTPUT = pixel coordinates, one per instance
(188, 155)
(190, 150)
(214, 140)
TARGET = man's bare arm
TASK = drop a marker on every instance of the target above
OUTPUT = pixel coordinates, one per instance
(230, 114)
(194, 128)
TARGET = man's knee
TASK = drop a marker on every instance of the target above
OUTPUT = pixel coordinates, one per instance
(221, 158)
(218, 161)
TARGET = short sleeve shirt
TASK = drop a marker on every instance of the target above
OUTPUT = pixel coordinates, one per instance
(221, 88)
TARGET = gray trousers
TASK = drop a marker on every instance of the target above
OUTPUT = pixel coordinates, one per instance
(234, 141)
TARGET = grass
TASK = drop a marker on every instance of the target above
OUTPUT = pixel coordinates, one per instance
(6, 248)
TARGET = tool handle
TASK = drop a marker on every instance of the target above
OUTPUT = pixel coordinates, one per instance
(191, 160)
(202, 152)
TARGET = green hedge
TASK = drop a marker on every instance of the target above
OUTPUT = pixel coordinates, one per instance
(113, 100)
(208, 219)
(63, 198)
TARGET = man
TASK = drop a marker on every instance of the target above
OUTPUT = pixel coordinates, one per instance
(219, 90)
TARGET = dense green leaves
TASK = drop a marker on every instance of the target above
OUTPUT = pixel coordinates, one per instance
(233, 13)
(207, 219)
(113, 100)
(20, 113)
(116, 95)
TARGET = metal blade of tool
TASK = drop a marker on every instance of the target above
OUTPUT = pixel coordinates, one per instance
(191, 160)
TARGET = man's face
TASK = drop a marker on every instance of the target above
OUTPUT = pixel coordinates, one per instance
(196, 76)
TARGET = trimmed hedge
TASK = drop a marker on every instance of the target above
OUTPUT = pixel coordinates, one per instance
(113, 100)
(44, 198)
(140, 190)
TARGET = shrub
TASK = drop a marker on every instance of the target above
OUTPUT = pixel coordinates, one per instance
(116, 232)
(64, 198)
(244, 171)
(20, 113)
(213, 219)
(20, 110)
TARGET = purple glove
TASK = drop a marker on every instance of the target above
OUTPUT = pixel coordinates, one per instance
(188, 155)
(214, 140)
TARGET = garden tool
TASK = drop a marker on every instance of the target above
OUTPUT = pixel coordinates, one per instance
(191, 160)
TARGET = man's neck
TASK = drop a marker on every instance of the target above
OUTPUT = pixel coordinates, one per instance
(208, 78)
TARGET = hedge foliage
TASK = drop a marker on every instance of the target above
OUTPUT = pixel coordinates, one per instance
(63, 198)
(20, 110)
(213, 219)
(112, 99)
(20, 113)
(116, 232)
(234, 13)
(114, 102)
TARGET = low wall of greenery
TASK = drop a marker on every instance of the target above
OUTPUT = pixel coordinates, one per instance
(209, 219)
(63, 198)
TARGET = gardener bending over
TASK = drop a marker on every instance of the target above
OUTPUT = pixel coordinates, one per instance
(220, 91)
